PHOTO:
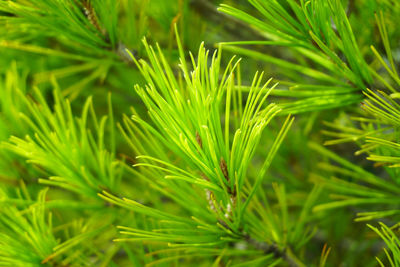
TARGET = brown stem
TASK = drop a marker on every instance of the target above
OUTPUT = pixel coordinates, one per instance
(285, 254)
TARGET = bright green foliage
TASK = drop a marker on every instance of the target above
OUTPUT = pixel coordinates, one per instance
(66, 148)
(120, 147)
(372, 191)
(320, 32)
(377, 134)
(187, 118)
(10, 123)
(26, 236)
(392, 241)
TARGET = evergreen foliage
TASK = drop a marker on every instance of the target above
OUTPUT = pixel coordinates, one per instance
(121, 147)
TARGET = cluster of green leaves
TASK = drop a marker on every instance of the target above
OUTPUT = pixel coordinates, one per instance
(70, 153)
(66, 148)
(392, 241)
(375, 130)
(322, 40)
(210, 181)
(28, 237)
(87, 40)
(209, 167)
(330, 67)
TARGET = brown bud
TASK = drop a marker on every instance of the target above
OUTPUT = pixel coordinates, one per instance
(198, 139)
(224, 168)
(204, 177)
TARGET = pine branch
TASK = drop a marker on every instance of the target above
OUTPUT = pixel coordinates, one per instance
(275, 250)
